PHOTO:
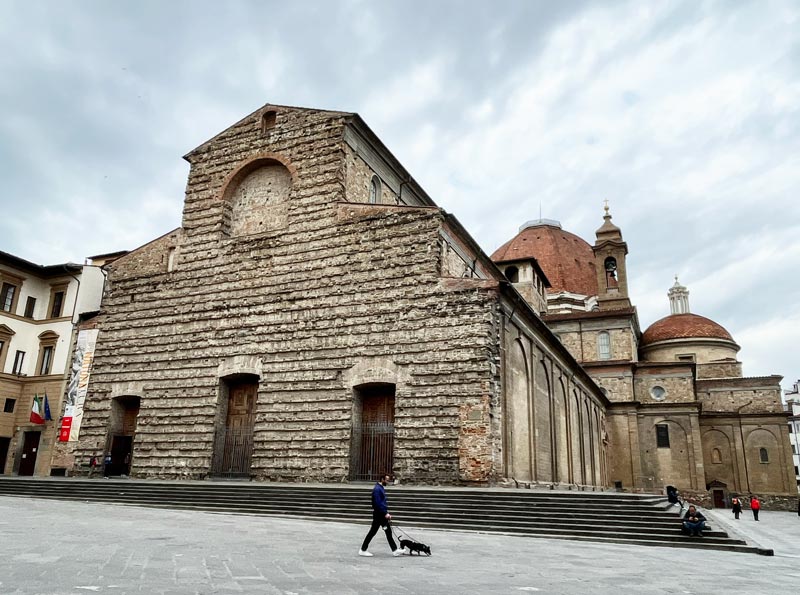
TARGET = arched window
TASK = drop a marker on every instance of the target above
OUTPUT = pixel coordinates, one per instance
(716, 456)
(763, 455)
(603, 345)
(375, 190)
(512, 274)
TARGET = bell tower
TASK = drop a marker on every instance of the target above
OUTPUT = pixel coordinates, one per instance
(609, 256)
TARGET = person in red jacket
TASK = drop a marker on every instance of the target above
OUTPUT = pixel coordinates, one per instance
(755, 506)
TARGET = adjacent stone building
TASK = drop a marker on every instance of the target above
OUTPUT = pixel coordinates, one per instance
(681, 412)
(317, 317)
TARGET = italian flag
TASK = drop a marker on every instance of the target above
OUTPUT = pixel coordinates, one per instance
(37, 413)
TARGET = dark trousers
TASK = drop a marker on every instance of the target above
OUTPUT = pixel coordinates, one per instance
(379, 520)
(755, 514)
(736, 513)
(694, 528)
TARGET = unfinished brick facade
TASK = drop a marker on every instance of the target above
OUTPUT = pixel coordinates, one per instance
(312, 270)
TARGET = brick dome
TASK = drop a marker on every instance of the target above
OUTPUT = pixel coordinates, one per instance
(566, 259)
(684, 326)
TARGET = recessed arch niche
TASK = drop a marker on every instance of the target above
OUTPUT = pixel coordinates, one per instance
(257, 197)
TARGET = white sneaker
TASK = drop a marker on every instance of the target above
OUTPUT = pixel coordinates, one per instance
(401, 551)
(364, 553)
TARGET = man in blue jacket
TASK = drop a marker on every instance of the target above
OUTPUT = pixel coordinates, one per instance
(380, 518)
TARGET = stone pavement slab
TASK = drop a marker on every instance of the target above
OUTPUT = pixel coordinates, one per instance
(72, 548)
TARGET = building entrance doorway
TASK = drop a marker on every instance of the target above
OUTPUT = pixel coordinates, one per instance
(372, 445)
(719, 498)
(30, 447)
(4, 444)
(233, 447)
(121, 431)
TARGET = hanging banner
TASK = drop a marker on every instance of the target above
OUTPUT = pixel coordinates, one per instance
(78, 385)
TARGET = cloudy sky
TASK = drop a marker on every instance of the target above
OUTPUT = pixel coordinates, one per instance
(684, 115)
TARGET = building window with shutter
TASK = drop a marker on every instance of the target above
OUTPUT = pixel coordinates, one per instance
(30, 306)
(19, 358)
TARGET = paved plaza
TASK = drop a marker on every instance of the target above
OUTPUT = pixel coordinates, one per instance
(55, 547)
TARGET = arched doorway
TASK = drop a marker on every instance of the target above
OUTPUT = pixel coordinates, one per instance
(121, 432)
(372, 441)
(233, 448)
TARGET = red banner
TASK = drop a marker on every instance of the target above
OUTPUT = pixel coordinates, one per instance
(66, 426)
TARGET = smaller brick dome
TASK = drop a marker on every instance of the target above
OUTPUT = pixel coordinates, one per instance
(566, 259)
(684, 326)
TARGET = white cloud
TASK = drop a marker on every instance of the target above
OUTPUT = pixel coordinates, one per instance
(684, 115)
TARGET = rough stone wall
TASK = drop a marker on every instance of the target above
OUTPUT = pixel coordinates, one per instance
(705, 351)
(720, 370)
(581, 338)
(747, 395)
(679, 386)
(452, 265)
(681, 463)
(623, 448)
(358, 178)
(340, 285)
(617, 384)
(738, 463)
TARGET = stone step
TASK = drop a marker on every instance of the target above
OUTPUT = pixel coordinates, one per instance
(634, 519)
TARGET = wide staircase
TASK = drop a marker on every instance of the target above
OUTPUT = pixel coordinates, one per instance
(590, 516)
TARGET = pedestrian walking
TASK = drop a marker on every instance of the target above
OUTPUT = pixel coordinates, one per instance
(92, 465)
(736, 508)
(107, 464)
(755, 506)
(381, 518)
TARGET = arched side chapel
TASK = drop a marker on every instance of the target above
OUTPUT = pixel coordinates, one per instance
(550, 439)
(675, 389)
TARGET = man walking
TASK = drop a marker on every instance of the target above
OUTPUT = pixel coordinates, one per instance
(380, 518)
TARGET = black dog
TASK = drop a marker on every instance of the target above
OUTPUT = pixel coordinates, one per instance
(415, 546)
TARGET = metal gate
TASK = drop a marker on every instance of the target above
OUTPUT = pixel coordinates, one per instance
(233, 449)
(372, 451)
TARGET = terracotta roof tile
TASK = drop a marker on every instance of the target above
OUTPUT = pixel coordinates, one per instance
(684, 326)
(566, 259)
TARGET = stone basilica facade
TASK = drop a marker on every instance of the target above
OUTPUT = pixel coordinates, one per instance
(317, 317)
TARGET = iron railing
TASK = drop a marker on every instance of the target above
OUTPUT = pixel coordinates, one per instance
(372, 451)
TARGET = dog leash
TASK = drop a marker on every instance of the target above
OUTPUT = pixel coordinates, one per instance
(394, 526)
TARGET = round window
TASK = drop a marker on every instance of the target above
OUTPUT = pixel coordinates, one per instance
(658, 393)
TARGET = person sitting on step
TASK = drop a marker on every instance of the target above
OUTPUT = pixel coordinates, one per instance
(694, 522)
